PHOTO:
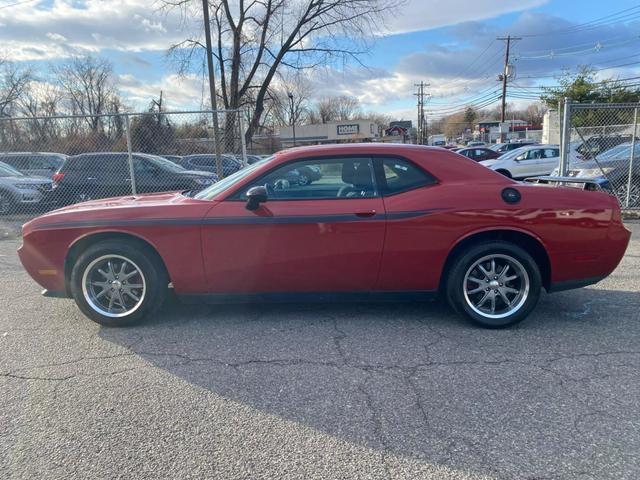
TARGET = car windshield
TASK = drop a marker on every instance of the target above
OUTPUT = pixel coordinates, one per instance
(228, 182)
(164, 163)
(8, 171)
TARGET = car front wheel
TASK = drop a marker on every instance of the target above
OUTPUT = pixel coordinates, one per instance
(117, 283)
(494, 284)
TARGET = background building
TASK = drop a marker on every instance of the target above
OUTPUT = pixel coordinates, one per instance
(332, 132)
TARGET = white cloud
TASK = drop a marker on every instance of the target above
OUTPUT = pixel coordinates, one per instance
(418, 15)
(179, 92)
(43, 30)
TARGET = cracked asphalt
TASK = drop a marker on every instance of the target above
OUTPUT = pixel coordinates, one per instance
(338, 391)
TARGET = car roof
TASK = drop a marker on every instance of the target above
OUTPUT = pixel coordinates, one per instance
(35, 153)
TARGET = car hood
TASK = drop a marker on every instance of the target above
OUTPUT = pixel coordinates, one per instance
(489, 163)
(147, 200)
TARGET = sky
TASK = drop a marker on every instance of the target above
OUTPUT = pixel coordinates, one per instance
(449, 44)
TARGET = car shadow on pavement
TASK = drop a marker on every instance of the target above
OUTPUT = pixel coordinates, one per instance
(549, 397)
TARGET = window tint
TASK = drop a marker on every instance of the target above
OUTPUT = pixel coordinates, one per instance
(16, 161)
(142, 166)
(551, 153)
(96, 163)
(319, 179)
(401, 175)
(39, 163)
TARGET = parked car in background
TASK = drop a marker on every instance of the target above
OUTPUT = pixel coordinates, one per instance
(367, 230)
(251, 159)
(34, 164)
(207, 162)
(597, 144)
(478, 153)
(526, 161)
(102, 174)
(19, 191)
(611, 172)
(507, 147)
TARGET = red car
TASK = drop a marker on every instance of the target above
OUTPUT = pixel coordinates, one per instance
(384, 221)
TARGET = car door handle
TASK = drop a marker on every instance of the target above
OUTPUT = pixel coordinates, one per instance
(368, 213)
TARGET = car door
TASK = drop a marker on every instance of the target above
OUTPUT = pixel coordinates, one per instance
(549, 160)
(325, 236)
(413, 246)
(526, 164)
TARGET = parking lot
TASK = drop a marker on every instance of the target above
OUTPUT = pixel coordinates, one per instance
(322, 391)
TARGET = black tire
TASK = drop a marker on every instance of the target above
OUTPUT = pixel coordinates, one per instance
(462, 277)
(506, 173)
(139, 257)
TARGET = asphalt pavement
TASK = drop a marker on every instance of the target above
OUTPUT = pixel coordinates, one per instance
(338, 391)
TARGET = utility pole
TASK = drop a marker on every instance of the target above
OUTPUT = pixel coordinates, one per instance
(293, 118)
(421, 116)
(504, 77)
(212, 89)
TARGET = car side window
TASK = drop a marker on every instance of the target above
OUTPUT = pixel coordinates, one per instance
(142, 166)
(38, 163)
(401, 175)
(17, 161)
(319, 179)
(551, 153)
(533, 154)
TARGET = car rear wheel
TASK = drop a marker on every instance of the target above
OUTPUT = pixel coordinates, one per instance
(506, 173)
(494, 284)
(118, 283)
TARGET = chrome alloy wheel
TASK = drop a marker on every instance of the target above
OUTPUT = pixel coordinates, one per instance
(496, 286)
(113, 286)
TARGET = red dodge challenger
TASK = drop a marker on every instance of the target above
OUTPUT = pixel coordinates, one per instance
(380, 221)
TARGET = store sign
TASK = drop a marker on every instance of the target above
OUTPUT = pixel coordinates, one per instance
(351, 129)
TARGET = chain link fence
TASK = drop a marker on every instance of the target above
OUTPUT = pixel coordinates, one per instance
(600, 141)
(50, 162)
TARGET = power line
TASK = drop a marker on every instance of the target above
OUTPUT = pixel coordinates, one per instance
(2, 7)
(596, 23)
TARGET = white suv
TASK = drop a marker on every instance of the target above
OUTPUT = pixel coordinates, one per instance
(529, 161)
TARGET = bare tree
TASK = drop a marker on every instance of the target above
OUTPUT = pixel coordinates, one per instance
(88, 87)
(280, 97)
(336, 109)
(14, 81)
(256, 39)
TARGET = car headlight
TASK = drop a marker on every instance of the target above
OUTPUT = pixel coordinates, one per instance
(593, 172)
(25, 186)
(203, 181)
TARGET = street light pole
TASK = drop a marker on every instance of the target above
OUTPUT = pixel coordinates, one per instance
(293, 120)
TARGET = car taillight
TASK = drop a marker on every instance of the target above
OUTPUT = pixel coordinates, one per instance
(57, 177)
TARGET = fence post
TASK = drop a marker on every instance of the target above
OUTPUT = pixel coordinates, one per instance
(127, 128)
(565, 136)
(216, 144)
(633, 152)
(242, 139)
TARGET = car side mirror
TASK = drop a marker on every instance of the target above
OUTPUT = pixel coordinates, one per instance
(519, 158)
(255, 196)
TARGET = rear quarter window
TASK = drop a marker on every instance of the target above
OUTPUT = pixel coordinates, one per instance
(401, 175)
